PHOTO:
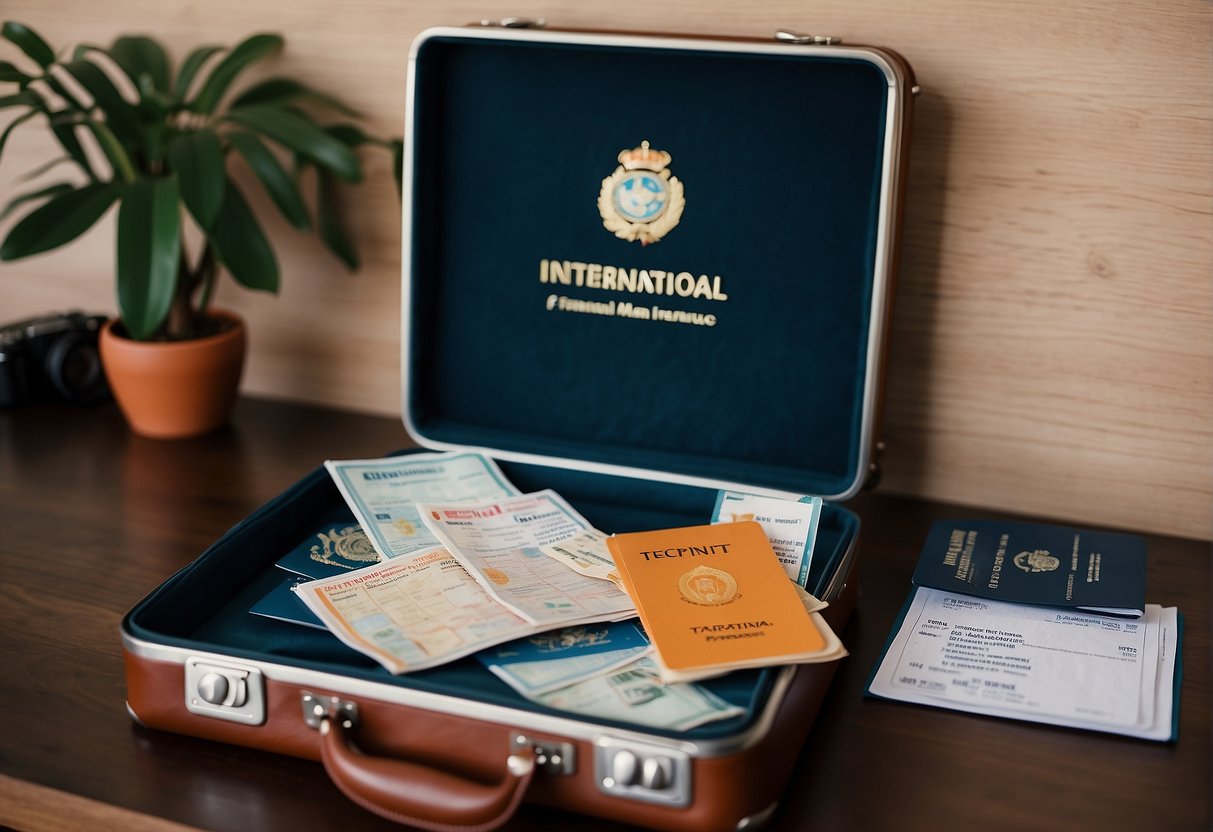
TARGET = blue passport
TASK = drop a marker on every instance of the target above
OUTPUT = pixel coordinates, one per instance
(1036, 563)
(334, 548)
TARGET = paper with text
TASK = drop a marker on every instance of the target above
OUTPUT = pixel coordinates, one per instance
(1034, 663)
(384, 493)
(499, 543)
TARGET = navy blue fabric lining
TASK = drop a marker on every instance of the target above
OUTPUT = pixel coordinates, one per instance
(780, 157)
(205, 606)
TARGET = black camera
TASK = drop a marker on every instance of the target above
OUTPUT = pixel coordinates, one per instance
(53, 356)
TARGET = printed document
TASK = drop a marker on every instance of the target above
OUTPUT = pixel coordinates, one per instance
(1034, 663)
(413, 612)
(790, 526)
(383, 493)
(635, 693)
(499, 544)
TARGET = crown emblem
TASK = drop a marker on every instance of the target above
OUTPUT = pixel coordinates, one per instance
(641, 200)
(644, 158)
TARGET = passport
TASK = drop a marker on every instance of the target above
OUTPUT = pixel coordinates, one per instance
(1036, 563)
(715, 599)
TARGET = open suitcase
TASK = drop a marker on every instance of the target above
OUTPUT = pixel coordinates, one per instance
(637, 270)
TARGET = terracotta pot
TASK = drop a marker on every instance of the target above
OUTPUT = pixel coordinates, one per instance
(171, 390)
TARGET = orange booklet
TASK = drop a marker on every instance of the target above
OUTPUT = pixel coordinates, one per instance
(716, 598)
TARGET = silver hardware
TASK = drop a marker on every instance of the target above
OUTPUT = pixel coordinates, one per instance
(757, 819)
(515, 23)
(788, 36)
(651, 774)
(318, 708)
(916, 90)
(551, 756)
(224, 691)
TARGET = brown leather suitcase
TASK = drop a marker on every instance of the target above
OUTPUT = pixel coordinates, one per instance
(637, 270)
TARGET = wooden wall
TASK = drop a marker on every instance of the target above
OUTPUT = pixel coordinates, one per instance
(1053, 341)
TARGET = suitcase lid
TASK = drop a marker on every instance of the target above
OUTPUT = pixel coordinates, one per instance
(658, 257)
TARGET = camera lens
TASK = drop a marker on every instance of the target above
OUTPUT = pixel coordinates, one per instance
(74, 368)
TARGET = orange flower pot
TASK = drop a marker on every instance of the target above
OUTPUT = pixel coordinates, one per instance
(177, 389)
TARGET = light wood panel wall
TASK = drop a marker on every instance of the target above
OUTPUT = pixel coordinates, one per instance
(1053, 340)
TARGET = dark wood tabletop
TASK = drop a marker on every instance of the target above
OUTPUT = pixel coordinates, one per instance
(93, 517)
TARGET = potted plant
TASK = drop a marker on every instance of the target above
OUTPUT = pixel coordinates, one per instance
(167, 139)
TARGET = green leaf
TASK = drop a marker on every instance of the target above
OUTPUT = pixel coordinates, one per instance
(66, 134)
(149, 249)
(193, 62)
(248, 51)
(53, 190)
(241, 245)
(284, 91)
(302, 136)
(44, 168)
(13, 125)
(197, 159)
(121, 116)
(20, 99)
(397, 147)
(113, 150)
(29, 42)
(9, 72)
(348, 134)
(328, 216)
(59, 221)
(139, 56)
(274, 178)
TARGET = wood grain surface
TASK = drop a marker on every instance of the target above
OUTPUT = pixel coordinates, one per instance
(94, 518)
(1052, 349)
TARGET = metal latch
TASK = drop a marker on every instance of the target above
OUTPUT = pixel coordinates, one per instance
(516, 23)
(551, 756)
(317, 708)
(232, 692)
(788, 36)
(640, 772)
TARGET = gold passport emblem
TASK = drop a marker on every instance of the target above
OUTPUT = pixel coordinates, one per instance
(707, 587)
(641, 200)
(348, 548)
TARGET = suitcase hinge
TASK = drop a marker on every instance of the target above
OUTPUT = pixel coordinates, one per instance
(515, 23)
(788, 36)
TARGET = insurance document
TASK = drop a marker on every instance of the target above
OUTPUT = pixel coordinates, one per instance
(413, 612)
(500, 542)
(1034, 663)
(384, 493)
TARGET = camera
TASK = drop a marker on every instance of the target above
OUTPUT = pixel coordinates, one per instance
(52, 356)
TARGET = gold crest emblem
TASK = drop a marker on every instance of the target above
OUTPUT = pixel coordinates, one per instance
(1037, 561)
(707, 587)
(641, 200)
(347, 548)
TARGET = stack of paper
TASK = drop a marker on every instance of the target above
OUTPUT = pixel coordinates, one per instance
(1035, 663)
(1036, 622)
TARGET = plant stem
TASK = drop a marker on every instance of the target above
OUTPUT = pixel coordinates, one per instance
(206, 276)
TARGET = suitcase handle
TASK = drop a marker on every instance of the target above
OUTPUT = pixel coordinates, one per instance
(414, 794)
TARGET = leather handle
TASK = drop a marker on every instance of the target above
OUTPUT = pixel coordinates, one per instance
(411, 793)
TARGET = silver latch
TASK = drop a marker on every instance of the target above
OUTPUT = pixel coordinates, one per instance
(516, 23)
(788, 36)
(551, 757)
(224, 691)
(317, 708)
(639, 772)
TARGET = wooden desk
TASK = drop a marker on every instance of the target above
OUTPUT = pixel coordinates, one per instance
(92, 518)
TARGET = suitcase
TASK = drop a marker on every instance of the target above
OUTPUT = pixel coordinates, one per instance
(637, 270)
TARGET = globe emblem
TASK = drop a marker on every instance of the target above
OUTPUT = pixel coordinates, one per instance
(641, 196)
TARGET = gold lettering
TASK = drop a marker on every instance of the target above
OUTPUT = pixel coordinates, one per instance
(684, 284)
(593, 276)
(608, 277)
